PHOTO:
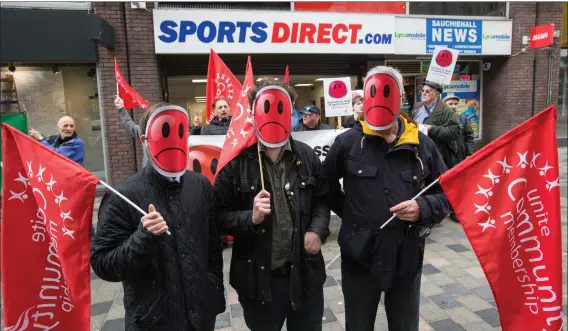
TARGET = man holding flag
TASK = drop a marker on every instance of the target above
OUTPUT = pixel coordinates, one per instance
(277, 268)
(384, 162)
(171, 282)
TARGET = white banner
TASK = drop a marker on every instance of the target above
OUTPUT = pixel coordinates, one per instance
(319, 140)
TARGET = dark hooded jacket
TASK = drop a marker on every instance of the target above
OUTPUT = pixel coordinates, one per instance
(215, 127)
(377, 176)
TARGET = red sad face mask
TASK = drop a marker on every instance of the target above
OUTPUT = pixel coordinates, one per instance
(272, 116)
(167, 140)
(382, 93)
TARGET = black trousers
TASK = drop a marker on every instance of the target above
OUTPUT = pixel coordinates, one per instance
(362, 295)
(271, 316)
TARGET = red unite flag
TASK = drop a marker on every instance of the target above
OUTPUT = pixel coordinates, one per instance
(47, 208)
(129, 95)
(287, 75)
(507, 198)
(240, 134)
(220, 83)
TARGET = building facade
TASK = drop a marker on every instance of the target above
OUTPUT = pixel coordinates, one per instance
(163, 51)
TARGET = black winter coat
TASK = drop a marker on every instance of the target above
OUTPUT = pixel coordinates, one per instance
(215, 127)
(171, 283)
(236, 186)
(376, 177)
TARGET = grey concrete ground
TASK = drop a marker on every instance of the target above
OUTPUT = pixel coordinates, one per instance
(454, 296)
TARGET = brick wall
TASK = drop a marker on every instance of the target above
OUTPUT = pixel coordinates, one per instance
(508, 86)
(134, 50)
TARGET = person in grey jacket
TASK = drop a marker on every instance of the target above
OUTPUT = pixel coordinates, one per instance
(130, 125)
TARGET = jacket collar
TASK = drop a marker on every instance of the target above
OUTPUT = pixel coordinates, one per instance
(407, 131)
(155, 177)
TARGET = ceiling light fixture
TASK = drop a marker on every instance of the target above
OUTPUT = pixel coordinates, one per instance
(199, 80)
(300, 85)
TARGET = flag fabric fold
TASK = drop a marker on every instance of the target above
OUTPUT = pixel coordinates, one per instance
(129, 95)
(507, 198)
(240, 134)
(47, 208)
(220, 83)
(287, 75)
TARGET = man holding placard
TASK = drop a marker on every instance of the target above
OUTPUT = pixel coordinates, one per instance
(274, 199)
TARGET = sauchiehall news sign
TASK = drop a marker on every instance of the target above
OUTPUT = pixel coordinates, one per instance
(197, 31)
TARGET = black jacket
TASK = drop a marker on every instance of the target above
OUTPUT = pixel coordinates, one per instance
(467, 144)
(348, 122)
(171, 283)
(234, 190)
(377, 176)
(215, 127)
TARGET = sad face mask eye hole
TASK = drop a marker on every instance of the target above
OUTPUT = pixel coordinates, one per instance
(180, 131)
(266, 106)
(165, 130)
(214, 164)
(386, 91)
(280, 107)
(373, 90)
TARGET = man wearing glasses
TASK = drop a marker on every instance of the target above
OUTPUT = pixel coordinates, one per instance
(439, 121)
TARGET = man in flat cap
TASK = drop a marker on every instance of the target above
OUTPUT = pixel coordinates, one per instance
(440, 122)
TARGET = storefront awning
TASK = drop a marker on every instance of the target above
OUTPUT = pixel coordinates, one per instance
(51, 36)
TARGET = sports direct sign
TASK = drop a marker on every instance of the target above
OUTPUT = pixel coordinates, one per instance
(249, 32)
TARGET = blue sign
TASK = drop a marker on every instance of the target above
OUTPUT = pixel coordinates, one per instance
(463, 35)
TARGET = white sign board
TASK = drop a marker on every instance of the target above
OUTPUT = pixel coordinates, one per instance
(442, 65)
(277, 32)
(418, 36)
(337, 96)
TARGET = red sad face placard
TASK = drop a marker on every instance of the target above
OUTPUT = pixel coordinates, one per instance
(337, 89)
(444, 58)
(203, 159)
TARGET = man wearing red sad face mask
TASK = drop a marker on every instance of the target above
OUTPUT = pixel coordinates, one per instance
(171, 282)
(277, 267)
(384, 162)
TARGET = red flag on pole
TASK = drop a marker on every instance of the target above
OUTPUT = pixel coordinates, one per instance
(129, 95)
(240, 135)
(287, 75)
(507, 199)
(47, 208)
(220, 83)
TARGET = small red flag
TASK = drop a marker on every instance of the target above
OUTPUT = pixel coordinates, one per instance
(507, 198)
(240, 134)
(220, 83)
(287, 75)
(47, 208)
(129, 95)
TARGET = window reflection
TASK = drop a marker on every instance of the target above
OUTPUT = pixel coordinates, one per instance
(458, 8)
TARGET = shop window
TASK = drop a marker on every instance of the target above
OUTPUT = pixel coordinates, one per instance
(189, 92)
(47, 93)
(458, 8)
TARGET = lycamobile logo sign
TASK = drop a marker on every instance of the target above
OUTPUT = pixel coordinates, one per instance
(413, 36)
(502, 36)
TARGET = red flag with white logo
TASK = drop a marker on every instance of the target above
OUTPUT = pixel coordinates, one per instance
(287, 75)
(507, 198)
(47, 208)
(220, 83)
(129, 95)
(240, 135)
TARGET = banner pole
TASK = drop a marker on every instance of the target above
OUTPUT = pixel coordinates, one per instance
(260, 165)
(390, 219)
(127, 200)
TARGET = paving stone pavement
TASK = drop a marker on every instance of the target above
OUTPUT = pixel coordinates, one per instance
(454, 295)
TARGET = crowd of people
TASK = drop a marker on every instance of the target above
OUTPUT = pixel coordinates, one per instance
(278, 219)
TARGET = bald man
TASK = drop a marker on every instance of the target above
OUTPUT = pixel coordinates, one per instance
(66, 142)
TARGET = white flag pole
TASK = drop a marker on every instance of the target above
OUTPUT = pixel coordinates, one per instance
(127, 200)
(390, 219)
